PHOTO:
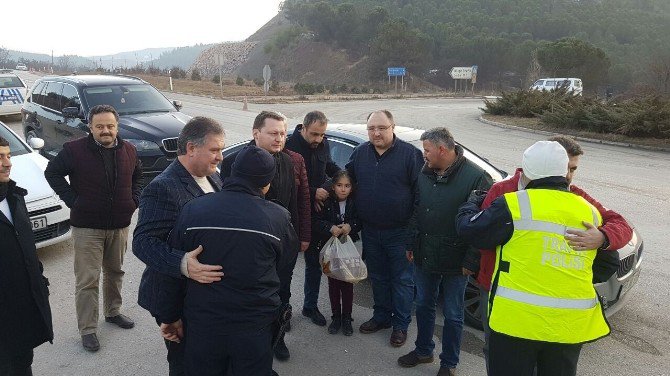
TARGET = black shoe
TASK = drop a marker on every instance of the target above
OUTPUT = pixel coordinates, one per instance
(122, 321)
(281, 351)
(315, 315)
(371, 326)
(412, 359)
(90, 342)
(334, 326)
(347, 330)
(398, 337)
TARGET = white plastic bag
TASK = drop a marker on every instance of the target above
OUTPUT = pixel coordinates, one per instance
(340, 259)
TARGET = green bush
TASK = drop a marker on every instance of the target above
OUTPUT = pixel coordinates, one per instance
(259, 81)
(528, 103)
(239, 81)
(305, 88)
(176, 72)
(216, 79)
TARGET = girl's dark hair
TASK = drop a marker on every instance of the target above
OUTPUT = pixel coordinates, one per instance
(339, 175)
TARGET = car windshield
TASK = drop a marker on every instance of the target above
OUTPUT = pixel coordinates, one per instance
(128, 99)
(15, 145)
(10, 82)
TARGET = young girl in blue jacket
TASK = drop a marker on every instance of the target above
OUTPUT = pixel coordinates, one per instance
(338, 217)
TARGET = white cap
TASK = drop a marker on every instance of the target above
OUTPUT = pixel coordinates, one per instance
(544, 159)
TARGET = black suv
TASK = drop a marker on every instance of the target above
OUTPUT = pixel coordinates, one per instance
(57, 107)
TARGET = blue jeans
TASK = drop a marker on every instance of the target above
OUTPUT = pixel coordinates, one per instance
(453, 288)
(390, 274)
(312, 276)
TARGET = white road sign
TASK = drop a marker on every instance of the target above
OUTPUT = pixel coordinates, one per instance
(461, 73)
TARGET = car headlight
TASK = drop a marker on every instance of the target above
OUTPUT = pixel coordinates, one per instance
(143, 145)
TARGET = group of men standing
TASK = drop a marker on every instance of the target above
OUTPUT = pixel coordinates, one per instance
(220, 248)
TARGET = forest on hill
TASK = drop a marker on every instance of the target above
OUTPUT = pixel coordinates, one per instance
(621, 43)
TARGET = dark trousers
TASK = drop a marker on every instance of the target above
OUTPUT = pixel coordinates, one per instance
(312, 276)
(17, 365)
(285, 277)
(175, 357)
(248, 353)
(510, 356)
(484, 307)
(340, 290)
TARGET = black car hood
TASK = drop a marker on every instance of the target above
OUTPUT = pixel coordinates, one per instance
(154, 126)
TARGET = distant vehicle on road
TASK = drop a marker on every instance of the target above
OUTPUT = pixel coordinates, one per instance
(13, 92)
(49, 216)
(57, 107)
(21, 67)
(573, 85)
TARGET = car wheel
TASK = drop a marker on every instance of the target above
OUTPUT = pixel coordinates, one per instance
(472, 308)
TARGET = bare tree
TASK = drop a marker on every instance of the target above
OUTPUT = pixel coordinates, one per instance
(4, 56)
(659, 69)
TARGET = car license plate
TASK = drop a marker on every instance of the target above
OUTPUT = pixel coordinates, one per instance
(629, 283)
(38, 223)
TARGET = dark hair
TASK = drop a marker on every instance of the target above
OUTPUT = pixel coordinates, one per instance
(385, 112)
(569, 144)
(339, 175)
(313, 117)
(439, 135)
(196, 131)
(102, 108)
(3, 142)
(259, 121)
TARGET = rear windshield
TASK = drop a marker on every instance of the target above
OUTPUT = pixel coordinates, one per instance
(10, 82)
(16, 147)
(128, 99)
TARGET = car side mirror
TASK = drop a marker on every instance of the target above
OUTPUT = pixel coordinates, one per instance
(177, 105)
(71, 112)
(36, 143)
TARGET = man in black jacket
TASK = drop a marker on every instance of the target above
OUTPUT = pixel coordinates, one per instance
(309, 140)
(24, 296)
(102, 194)
(229, 321)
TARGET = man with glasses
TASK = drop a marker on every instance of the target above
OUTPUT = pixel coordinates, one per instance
(385, 170)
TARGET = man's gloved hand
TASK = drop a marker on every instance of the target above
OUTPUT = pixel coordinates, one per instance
(477, 197)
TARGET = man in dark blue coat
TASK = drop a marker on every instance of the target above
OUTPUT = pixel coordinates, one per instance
(229, 322)
(191, 175)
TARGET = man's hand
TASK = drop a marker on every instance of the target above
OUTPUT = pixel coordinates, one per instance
(477, 197)
(409, 255)
(201, 272)
(582, 240)
(318, 205)
(467, 272)
(321, 195)
(173, 332)
(336, 231)
(346, 229)
(304, 246)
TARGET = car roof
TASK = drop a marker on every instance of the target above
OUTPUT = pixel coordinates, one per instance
(96, 79)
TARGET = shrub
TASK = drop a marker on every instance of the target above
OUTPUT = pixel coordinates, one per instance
(176, 72)
(216, 79)
(259, 81)
(239, 81)
(195, 75)
(274, 86)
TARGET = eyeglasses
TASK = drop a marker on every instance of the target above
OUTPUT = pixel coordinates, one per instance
(380, 129)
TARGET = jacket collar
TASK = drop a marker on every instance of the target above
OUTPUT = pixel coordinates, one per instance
(458, 162)
(301, 140)
(189, 183)
(13, 191)
(237, 184)
(95, 145)
(559, 183)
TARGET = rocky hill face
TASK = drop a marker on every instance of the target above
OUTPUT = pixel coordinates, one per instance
(234, 55)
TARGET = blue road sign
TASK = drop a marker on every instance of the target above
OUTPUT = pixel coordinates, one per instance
(396, 71)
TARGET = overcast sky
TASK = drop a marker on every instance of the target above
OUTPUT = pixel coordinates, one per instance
(93, 28)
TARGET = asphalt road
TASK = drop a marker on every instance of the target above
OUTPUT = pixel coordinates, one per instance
(634, 182)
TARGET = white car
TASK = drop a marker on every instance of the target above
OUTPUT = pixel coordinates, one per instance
(21, 67)
(49, 216)
(573, 85)
(13, 91)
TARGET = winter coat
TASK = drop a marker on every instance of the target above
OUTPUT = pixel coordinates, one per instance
(94, 203)
(438, 249)
(25, 313)
(329, 216)
(160, 204)
(252, 238)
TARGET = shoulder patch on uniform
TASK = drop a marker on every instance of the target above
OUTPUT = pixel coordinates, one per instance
(474, 217)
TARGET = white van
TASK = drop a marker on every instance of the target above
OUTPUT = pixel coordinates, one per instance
(573, 85)
(13, 92)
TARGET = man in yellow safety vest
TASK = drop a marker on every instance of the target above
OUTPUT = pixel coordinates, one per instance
(542, 305)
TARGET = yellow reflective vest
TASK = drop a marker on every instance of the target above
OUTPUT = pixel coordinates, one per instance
(542, 288)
